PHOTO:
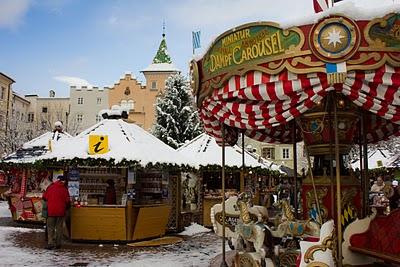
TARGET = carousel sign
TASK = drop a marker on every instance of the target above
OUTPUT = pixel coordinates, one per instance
(250, 44)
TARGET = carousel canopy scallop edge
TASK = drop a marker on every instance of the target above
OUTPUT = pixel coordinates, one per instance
(258, 77)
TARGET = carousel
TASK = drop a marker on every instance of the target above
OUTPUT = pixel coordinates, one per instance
(332, 83)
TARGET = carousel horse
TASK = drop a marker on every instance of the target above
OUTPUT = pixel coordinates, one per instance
(253, 234)
(289, 226)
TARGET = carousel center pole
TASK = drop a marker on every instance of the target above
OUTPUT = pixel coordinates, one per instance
(223, 262)
(296, 201)
(243, 167)
(338, 190)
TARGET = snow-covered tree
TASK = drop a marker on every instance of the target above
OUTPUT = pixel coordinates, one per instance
(177, 120)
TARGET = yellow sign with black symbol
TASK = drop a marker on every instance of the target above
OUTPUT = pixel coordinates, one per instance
(98, 144)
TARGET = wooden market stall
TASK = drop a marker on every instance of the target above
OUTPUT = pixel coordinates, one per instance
(206, 154)
(122, 158)
(26, 181)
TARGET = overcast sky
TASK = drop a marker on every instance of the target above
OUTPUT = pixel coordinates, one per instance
(50, 44)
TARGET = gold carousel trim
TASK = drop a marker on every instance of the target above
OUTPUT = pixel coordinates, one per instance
(327, 243)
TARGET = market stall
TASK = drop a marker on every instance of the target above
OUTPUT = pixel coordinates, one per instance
(121, 181)
(206, 156)
(26, 182)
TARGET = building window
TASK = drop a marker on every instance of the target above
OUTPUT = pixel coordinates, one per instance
(131, 105)
(80, 100)
(127, 91)
(124, 104)
(153, 85)
(99, 101)
(44, 109)
(285, 153)
(268, 152)
(44, 124)
(79, 118)
(3, 92)
(98, 118)
(31, 117)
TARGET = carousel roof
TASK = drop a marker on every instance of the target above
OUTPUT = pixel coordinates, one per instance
(376, 159)
(33, 149)
(126, 141)
(258, 77)
(204, 150)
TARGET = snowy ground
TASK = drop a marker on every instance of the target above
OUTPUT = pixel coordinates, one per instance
(22, 246)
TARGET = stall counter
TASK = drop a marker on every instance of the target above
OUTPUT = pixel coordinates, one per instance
(119, 223)
(209, 202)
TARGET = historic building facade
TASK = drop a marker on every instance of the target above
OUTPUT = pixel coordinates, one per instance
(43, 112)
(32, 115)
(5, 108)
(139, 99)
(85, 104)
(281, 154)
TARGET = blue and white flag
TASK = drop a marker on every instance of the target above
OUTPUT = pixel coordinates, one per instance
(196, 39)
(336, 67)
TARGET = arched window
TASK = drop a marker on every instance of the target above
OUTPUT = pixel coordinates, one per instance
(124, 104)
(131, 105)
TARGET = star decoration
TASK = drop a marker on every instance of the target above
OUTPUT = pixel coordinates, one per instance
(334, 37)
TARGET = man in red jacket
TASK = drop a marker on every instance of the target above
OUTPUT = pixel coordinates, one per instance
(58, 200)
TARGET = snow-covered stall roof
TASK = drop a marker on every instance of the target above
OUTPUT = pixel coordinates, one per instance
(394, 161)
(161, 67)
(36, 147)
(376, 159)
(204, 150)
(125, 141)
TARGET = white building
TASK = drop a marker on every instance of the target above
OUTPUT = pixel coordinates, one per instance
(86, 102)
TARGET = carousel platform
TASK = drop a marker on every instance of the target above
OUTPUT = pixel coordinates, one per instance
(166, 240)
(229, 258)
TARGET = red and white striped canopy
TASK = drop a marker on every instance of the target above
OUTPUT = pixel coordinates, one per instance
(261, 105)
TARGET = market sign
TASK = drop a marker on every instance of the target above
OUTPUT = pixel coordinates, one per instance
(98, 144)
(251, 44)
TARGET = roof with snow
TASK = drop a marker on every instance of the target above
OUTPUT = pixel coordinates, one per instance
(33, 149)
(161, 67)
(375, 158)
(126, 141)
(204, 150)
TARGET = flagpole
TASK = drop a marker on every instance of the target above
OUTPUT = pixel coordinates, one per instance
(193, 42)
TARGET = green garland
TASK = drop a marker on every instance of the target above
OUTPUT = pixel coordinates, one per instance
(91, 162)
(255, 170)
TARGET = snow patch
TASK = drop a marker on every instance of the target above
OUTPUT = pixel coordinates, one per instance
(194, 229)
(4, 210)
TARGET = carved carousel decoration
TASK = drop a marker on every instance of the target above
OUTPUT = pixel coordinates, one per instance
(332, 84)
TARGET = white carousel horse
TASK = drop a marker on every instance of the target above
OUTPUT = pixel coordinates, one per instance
(252, 233)
(245, 227)
(289, 226)
(258, 213)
